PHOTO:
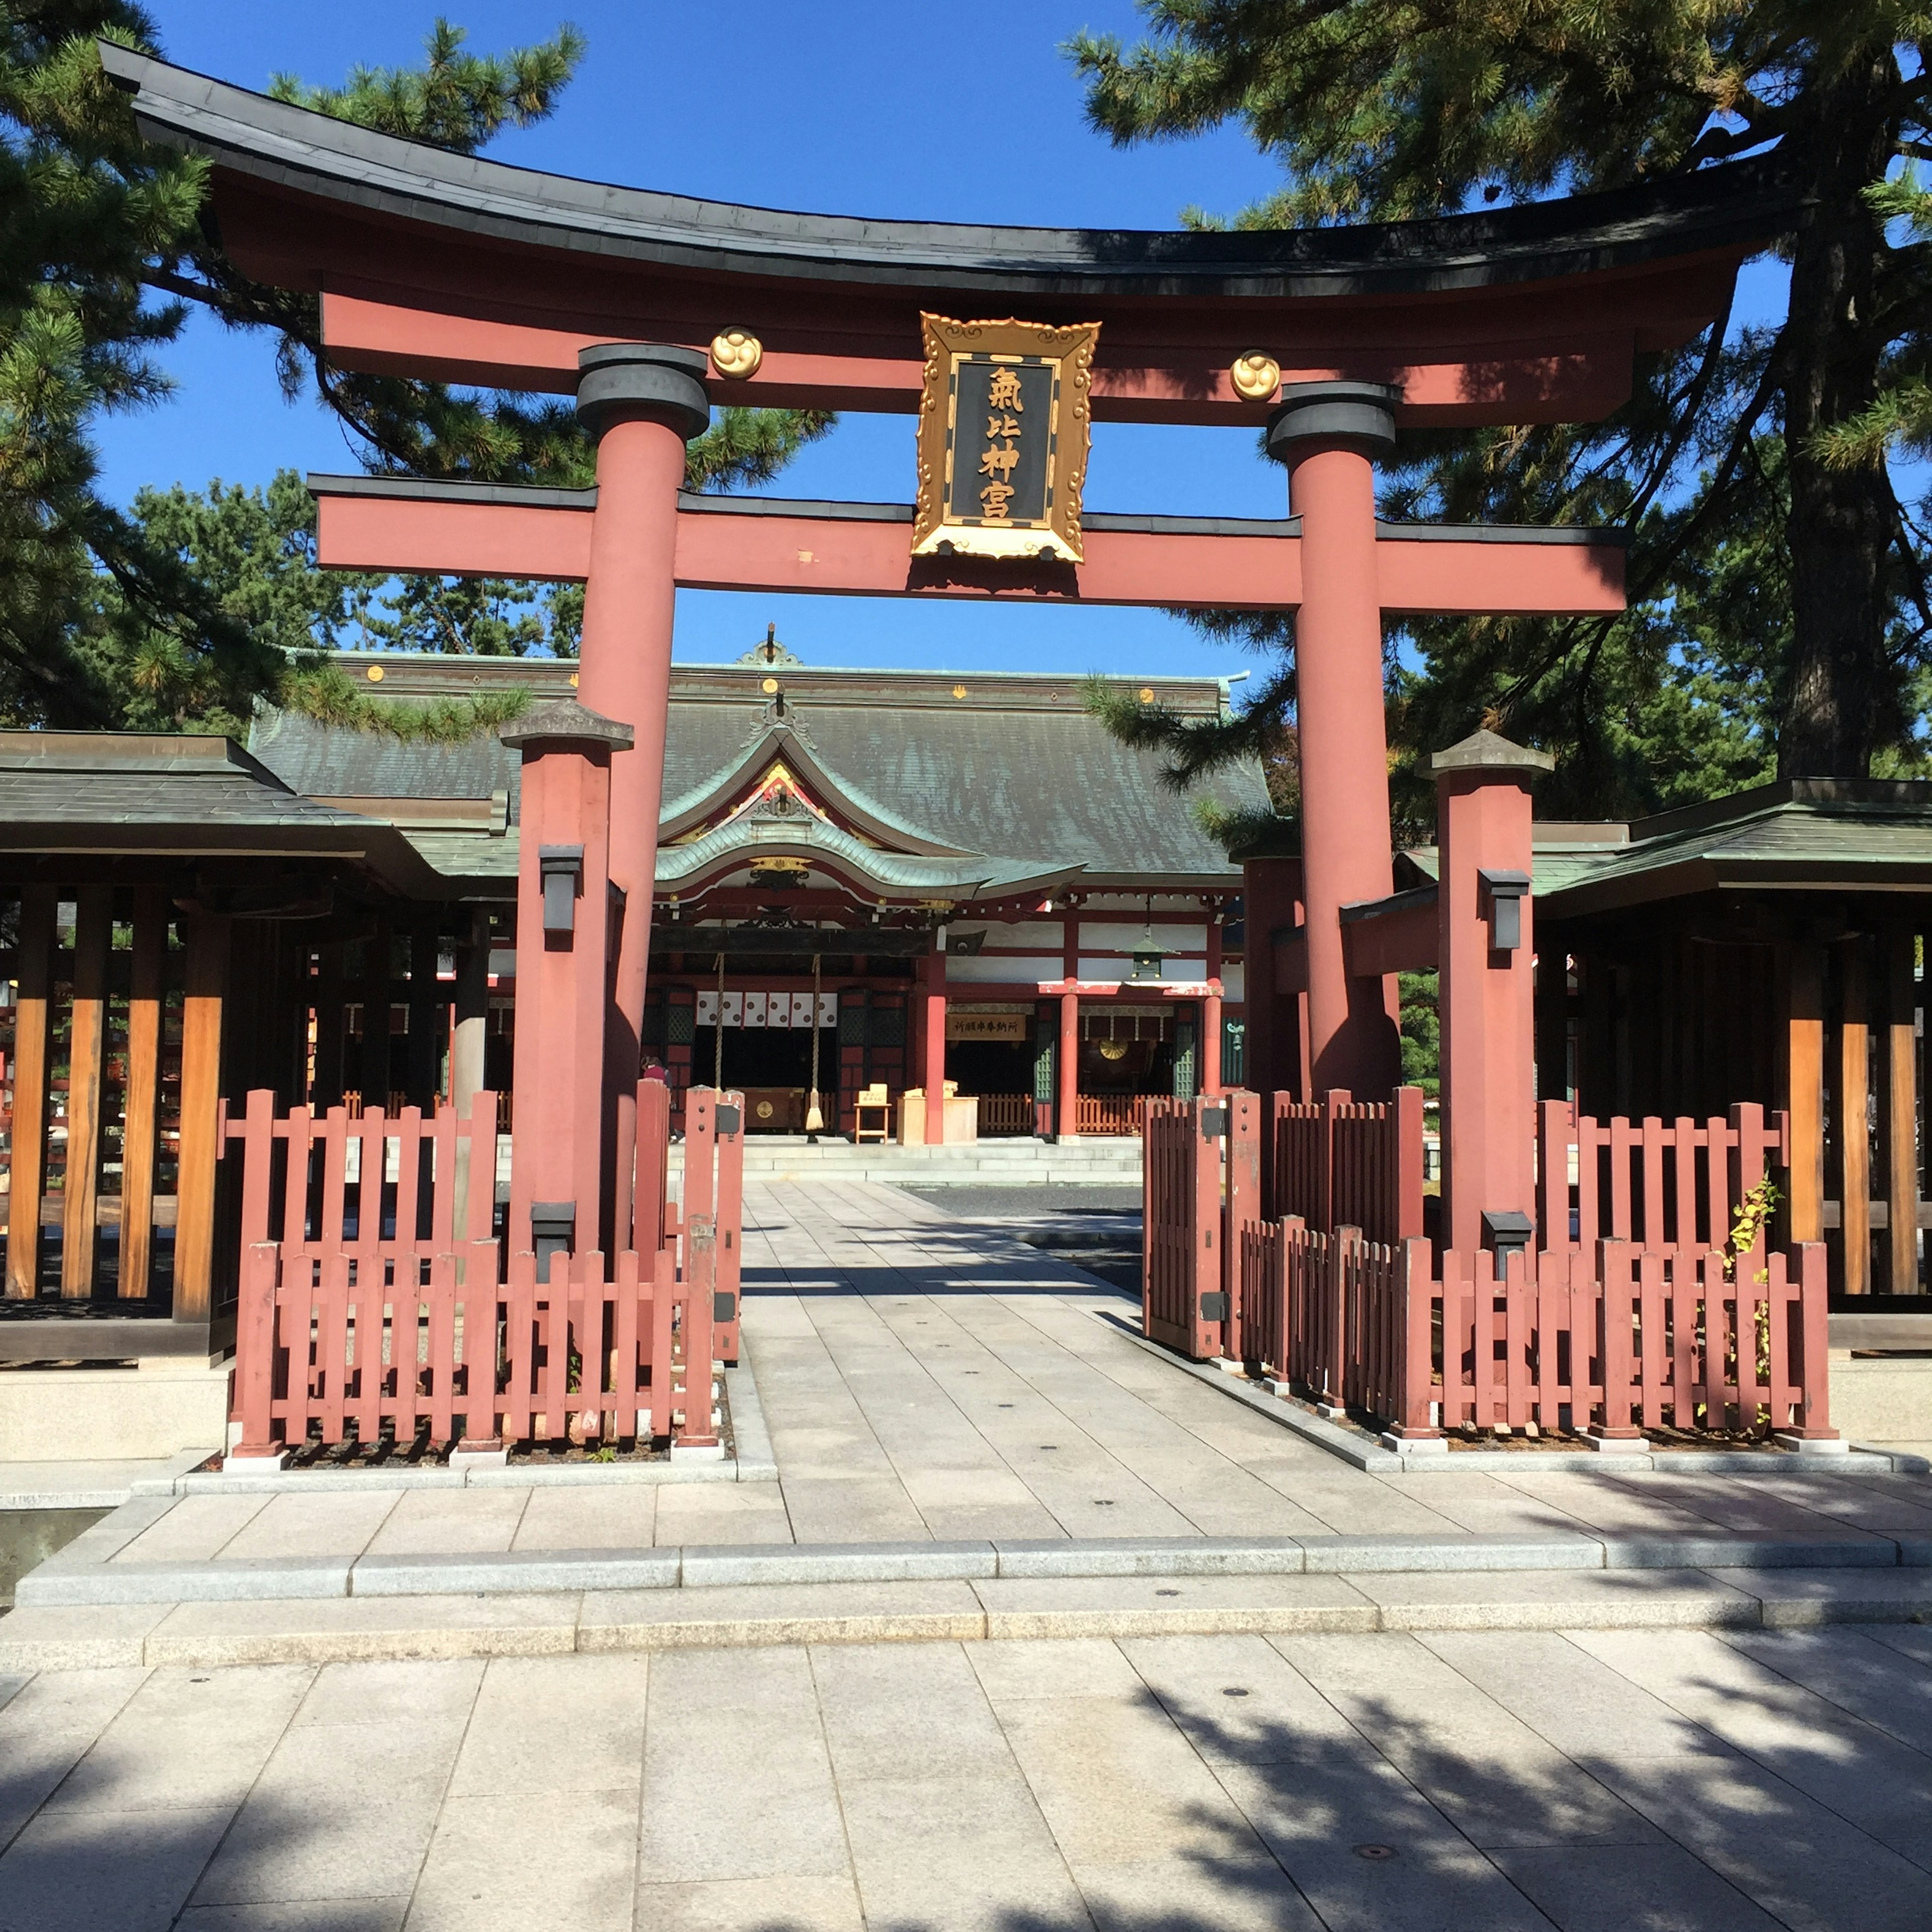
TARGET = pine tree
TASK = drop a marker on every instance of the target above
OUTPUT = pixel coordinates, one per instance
(1738, 467)
(104, 617)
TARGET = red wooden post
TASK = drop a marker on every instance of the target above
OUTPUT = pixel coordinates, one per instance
(1486, 953)
(1406, 1120)
(1613, 1272)
(563, 1154)
(731, 1225)
(255, 1353)
(934, 1071)
(1244, 1204)
(1415, 1273)
(1814, 1372)
(701, 1284)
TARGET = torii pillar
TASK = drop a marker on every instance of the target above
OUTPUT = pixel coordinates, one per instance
(644, 402)
(1328, 434)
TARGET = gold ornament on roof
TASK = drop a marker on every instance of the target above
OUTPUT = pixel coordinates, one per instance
(736, 352)
(1256, 375)
(374, 673)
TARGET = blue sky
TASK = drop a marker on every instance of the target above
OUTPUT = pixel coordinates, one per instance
(846, 107)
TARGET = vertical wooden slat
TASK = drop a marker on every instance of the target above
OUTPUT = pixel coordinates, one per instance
(80, 1186)
(1805, 1095)
(33, 987)
(1852, 1096)
(142, 1113)
(206, 988)
(1901, 1121)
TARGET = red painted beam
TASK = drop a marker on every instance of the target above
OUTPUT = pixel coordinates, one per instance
(1404, 939)
(1568, 377)
(1481, 575)
(835, 556)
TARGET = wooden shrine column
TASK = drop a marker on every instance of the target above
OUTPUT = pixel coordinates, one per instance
(1066, 1109)
(562, 1198)
(87, 1041)
(933, 1039)
(643, 403)
(141, 1118)
(207, 939)
(1900, 1071)
(1328, 434)
(1485, 953)
(33, 991)
(1803, 1068)
(1851, 1102)
(1210, 1012)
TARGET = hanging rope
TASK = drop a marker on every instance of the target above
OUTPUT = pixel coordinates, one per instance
(718, 1054)
(814, 1120)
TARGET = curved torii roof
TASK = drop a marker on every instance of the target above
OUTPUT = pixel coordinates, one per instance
(1534, 311)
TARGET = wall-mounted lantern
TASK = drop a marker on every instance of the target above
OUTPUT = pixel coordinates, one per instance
(1506, 892)
(561, 869)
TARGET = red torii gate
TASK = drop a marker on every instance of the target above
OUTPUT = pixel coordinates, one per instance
(448, 268)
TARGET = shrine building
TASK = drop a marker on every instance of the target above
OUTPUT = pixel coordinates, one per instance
(951, 878)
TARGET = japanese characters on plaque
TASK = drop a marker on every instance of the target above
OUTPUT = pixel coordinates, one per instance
(1003, 439)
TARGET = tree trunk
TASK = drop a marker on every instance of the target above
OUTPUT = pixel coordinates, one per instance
(1843, 699)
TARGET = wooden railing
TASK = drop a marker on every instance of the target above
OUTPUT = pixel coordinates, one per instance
(1341, 1162)
(1005, 1114)
(1675, 1184)
(591, 1355)
(1108, 1113)
(1620, 1340)
(375, 1302)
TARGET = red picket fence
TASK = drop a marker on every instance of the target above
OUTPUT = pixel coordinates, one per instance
(380, 1190)
(1624, 1339)
(1631, 1339)
(1341, 1162)
(592, 1357)
(366, 1307)
(1659, 1184)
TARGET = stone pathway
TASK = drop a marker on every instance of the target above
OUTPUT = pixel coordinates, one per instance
(924, 1379)
(1667, 1781)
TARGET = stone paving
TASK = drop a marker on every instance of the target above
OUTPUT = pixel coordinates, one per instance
(925, 1379)
(1425, 1750)
(1607, 1781)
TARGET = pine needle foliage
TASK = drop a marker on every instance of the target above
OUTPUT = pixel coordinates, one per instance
(1781, 619)
(160, 617)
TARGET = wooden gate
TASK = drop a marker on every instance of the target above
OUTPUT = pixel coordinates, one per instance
(1184, 1303)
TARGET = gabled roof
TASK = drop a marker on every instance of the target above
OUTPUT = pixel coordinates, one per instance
(1008, 769)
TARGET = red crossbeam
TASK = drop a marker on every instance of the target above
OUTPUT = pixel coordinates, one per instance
(720, 550)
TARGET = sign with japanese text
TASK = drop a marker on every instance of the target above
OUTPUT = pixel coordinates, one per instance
(1003, 429)
(967, 1024)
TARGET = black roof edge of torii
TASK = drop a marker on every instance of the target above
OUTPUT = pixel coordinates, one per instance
(1739, 204)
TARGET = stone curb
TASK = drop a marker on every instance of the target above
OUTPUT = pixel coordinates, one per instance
(81, 1575)
(103, 1496)
(214, 1634)
(755, 1463)
(1376, 1461)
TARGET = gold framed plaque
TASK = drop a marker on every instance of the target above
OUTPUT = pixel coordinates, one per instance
(1003, 428)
